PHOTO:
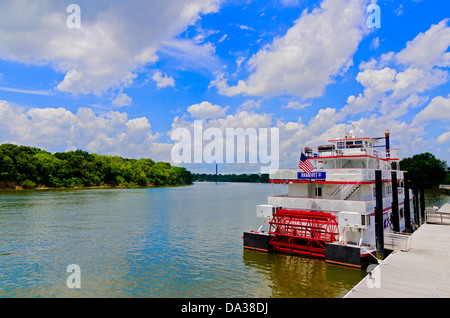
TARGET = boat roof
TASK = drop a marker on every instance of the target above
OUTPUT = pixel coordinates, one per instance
(355, 138)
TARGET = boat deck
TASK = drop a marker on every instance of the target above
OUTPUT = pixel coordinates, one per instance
(422, 272)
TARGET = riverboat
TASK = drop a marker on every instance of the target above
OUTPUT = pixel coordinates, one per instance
(330, 202)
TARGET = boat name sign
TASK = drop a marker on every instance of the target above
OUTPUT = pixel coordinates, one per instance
(321, 175)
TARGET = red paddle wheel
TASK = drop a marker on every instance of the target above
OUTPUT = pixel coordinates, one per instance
(304, 232)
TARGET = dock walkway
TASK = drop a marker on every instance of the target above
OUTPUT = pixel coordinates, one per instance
(422, 272)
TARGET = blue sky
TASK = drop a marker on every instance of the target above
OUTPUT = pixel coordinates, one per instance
(134, 71)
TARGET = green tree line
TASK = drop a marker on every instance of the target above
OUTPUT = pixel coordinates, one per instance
(32, 167)
(258, 178)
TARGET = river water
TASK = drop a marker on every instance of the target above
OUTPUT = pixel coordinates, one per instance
(151, 242)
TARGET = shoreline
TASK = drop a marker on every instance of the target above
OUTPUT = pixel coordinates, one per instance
(20, 188)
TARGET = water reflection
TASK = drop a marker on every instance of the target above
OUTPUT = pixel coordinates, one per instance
(297, 276)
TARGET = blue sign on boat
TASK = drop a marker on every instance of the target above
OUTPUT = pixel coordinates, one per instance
(313, 175)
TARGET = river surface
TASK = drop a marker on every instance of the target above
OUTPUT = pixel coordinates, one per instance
(151, 242)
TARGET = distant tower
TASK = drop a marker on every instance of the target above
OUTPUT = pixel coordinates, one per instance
(216, 169)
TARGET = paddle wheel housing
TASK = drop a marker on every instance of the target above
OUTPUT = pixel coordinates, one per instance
(303, 232)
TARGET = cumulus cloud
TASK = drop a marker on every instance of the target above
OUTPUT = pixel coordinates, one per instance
(444, 138)
(394, 82)
(56, 129)
(428, 49)
(109, 48)
(162, 80)
(438, 108)
(122, 100)
(303, 62)
(397, 83)
(205, 110)
(219, 141)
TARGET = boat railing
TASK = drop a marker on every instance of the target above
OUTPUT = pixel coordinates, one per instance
(350, 150)
(328, 204)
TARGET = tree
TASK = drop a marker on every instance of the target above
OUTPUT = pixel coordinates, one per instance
(33, 167)
(426, 167)
(7, 168)
(46, 165)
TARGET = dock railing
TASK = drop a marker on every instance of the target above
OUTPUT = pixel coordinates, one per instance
(446, 187)
(397, 241)
(436, 217)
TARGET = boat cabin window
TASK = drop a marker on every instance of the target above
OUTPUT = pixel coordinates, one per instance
(349, 143)
(326, 148)
(318, 191)
(340, 145)
(358, 144)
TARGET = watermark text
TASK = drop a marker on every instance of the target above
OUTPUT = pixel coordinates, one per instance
(237, 145)
(74, 279)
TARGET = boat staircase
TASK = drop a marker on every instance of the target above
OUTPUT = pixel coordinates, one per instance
(351, 190)
(344, 191)
(303, 232)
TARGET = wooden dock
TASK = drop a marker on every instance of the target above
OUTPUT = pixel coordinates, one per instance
(421, 272)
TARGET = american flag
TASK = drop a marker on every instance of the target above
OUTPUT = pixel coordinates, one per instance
(305, 164)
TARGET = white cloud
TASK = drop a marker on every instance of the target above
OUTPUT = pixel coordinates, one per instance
(57, 129)
(25, 91)
(108, 49)
(438, 108)
(392, 83)
(296, 105)
(222, 38)
(250, 104)
(122, 100)
(205, 110)
(375, 43)
(163, 80)
(303, 62)
(294, 136)
(389, 87)
(428, 49)
(243, 121)
(444, 138)
(381, 80)
(188, 54)
(289, 3)
(245, 27)
(203, 34)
